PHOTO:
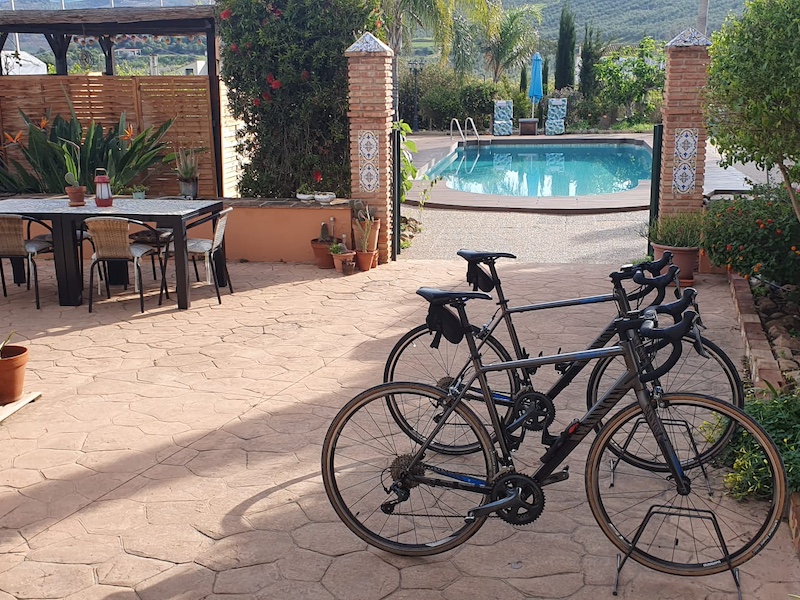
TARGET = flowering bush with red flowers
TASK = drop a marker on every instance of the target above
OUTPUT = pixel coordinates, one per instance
(284, 66)
(755, 235)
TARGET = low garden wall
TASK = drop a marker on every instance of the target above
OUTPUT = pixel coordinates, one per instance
(277, 231)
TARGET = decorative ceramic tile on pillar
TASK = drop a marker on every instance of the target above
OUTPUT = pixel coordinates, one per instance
(684, 172)
(684, 141)
(371, 116)
(368, 171)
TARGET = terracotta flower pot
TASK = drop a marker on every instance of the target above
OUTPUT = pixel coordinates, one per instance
(684, 258)
(322, 253)
(339, 258)
(77, 195)
(372, 238)
(12, 373)
(364, 259)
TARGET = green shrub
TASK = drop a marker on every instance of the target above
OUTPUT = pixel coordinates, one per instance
(477, 101)
(779, 415)
(286, 74)
(755, 235)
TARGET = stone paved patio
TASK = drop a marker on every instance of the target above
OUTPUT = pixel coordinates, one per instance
(175, 454)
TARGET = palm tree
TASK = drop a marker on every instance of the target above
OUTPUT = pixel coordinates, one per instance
(509, 38)
(437, 16)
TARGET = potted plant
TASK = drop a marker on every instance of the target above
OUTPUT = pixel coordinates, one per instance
(305, 192)
(139, 191)
(322, 247)
(340, 253)
(348, 267)
(186, 168)
(12, 371)
(681, 234)
(75, 191)
(365, 234)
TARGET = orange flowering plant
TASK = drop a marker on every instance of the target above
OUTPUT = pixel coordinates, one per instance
(756, 235)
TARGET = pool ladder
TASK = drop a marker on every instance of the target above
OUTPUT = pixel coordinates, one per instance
(461, 133)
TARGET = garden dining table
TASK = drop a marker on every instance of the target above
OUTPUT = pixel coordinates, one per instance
(172, 213)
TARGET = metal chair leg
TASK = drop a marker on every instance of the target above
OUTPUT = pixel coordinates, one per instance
(141, 287)
(35, 283)
(228, 277)
(153, 262)
(216, 283)
(3, 278)
(196, 272)
(105, 273)
(91, 281)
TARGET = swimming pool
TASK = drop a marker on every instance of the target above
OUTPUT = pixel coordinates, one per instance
(545, 169)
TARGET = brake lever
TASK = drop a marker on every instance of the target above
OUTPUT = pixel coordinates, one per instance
(698, 345)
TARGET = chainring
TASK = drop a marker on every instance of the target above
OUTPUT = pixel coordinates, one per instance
(531, 502)
(539, 407)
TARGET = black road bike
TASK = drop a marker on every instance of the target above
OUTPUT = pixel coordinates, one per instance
(673, 511)
(428, 355)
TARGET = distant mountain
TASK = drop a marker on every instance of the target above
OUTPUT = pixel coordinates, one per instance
(629, 20)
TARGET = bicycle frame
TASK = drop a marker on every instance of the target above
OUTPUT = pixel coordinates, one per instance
(576, 432)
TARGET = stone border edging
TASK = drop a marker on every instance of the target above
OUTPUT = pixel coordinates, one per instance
(763, 366)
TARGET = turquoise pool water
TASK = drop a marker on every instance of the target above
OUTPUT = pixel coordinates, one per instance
(544, 170)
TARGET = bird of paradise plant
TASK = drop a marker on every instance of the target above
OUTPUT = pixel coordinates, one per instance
(125, 155)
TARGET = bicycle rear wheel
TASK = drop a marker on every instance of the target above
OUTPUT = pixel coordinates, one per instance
(413, 359)
(387, 499)
(715, 376)
(709, 530)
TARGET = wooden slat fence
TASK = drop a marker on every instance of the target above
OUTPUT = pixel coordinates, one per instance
(146, 101)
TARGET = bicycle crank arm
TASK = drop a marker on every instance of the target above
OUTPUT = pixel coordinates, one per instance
(513, 498)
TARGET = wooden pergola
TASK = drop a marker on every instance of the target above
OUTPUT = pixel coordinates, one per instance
(59, 27)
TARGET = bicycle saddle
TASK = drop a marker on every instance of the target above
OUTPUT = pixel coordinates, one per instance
(438, 297)
(479, 256)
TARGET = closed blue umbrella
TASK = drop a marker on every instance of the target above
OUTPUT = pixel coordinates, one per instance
(535, 92)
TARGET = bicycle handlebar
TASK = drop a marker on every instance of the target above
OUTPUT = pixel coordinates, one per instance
(675, 309)
(673, 334)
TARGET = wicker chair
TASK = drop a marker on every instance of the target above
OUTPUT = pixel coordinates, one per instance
(110, 236)
(81, 235)
(206, 249)
(13, 244)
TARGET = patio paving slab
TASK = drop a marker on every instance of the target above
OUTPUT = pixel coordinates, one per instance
(175, 454)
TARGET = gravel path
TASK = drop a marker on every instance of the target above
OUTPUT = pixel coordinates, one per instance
(610, 238)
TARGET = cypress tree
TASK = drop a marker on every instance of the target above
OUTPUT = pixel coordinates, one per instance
(565, 52)
(545, 73)
(591, 52)
(523, 80)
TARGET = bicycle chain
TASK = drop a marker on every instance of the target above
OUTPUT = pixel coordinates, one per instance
(448, 472)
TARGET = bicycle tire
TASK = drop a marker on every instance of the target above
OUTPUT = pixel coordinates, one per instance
(413, 359)
(363, 455)
(684, 541)
(716, 377)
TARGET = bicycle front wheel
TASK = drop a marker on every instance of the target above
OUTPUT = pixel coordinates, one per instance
(712, 528)
(713, 376)
(385, 496)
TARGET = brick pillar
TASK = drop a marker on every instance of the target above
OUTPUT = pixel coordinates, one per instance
(684, 143)
(371, 115)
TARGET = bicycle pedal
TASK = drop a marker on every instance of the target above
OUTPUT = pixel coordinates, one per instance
(562, 475)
